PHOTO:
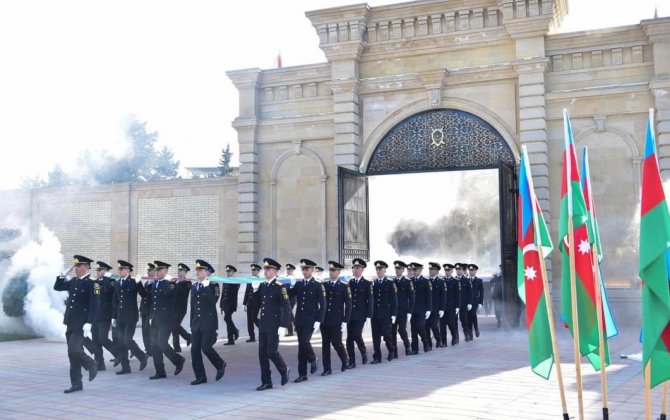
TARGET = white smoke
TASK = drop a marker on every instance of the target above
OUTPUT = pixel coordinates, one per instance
(44, 307)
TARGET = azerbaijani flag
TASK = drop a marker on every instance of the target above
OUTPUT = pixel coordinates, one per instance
(608, 318)
(533, 235)
(654, 261)
(573, 207)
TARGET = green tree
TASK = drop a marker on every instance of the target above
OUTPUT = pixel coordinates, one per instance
(165, 166)
(224, 162)
(14, 294)
(32, 182)
(58, 178)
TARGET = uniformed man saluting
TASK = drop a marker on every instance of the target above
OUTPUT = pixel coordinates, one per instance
(204, 323)
(384, 311)
(163, 301)
(310, 310)
(125, 316)
(338, 312)
(228, 305)
(79, 290)
(275, 315)
(361, 310)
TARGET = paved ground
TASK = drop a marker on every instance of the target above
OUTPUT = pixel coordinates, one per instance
(485, 379)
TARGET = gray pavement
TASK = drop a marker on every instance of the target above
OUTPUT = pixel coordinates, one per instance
(485, 379)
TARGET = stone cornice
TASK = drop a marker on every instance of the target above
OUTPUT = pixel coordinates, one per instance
(525, 19)
(657, 29)
(245, 78)
(623, 36)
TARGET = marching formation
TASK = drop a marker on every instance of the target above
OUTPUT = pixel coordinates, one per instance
(275, 307)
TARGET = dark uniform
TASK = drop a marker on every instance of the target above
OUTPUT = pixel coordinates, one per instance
(477, 299)
(405, 289)
(250, 302)
(497, 295)
(101, 317)
(439, 303)
(466, 299)
(310, 298)
(423, 302)
(183, 289)
(163, 311)
(385, 307)
(361, 309)
(338, 311)
(145, 309)
(275, 312)
(453, 302)
(124, 312)
(76, 315)
(228, 305)
(204, 323)
(291, 299)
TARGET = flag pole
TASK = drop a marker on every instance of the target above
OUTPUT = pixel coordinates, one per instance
(552, 331)
(601, 338)
(647, 391)
(664, 403)
(575, 319)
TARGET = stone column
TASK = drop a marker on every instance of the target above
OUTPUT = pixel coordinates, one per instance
(247, 83)
(346, 121)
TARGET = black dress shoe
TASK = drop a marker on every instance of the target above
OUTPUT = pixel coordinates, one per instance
(251, 340)
(314, 366)
(375, 361)
(221, 371)
(158, 376)
(236, 334)
(188, 341)
(143, 362)
(408, 352)
(74, 388)
(328, 372)
(263, 387)
(177, 349)
(351, 365)
(92, 372)
(454, 342)
(476, 333)
(438, 345)
(390, 357)
(229, 343)
(117, 362)
(413, 353)
(179, 366)
(123, 371)
(344, 367)
(444, 344)
(365, 358)
(199, 381)
(300, 379)
(284, 377)
(289, 334)
(101, 366)
(113, 360)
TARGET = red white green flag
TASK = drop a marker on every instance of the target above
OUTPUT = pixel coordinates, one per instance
(654, 263)
(573, 207)
(533, 236)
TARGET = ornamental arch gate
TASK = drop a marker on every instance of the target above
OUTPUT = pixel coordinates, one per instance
(432, 141)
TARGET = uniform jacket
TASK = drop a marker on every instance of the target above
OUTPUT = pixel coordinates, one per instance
(101, 299)
(182, 292)
(405, 295)
(124, 302)
(229, 294)
(423, 295)
(466, 291)
(78, 300)
(361, 299)
(145, 304)
(163, 303)
(274, 306)
(204, 316)
(477, 291)
(385, 299)
(310, 302)
(439, 294)
(338, 303)
(453, 293)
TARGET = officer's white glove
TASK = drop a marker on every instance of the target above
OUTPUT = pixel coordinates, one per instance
(409, 317)
(469, 306)
(281, 331)
(457, 310)
(245, 308)
(317, 324)
(479, 306)
(344, 325)
(392, 319)
(427, 314)
(292, 280)
(441, 314)
(114, 323)
(255, 284)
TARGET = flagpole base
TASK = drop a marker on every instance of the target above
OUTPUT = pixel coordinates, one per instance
(566, 416)
(606, 413)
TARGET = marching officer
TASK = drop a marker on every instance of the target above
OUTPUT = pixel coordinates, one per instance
(77, 307)
(228, 305)
(439, 299)
(361, 310)
(466, 299)
(250, 304)
(290, 269)
(477, 298)
(338, 312)
(183, 288)
(274, 318)
(384, 312)
(163, 300)
(405, 289)
(453, 306)
(145, 307)
(204, 323)
(125, 316)
(101, 315)
(423, 303)
(310, 310)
